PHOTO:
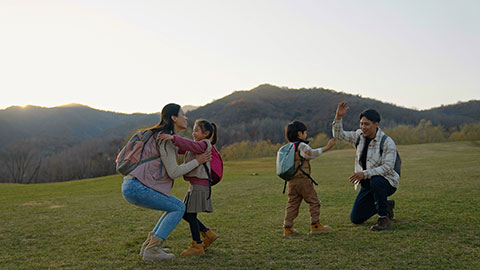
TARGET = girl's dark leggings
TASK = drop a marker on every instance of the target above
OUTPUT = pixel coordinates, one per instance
(195, 226)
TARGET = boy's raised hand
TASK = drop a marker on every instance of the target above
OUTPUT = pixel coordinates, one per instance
(342, 109)
(331, 143)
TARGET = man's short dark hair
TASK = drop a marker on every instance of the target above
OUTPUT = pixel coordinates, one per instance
(371, 115)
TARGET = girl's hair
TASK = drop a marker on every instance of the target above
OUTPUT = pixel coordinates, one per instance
(292, 129)
(166, 125)
(207, 126)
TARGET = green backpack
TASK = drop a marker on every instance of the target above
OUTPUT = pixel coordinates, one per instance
(286, 163)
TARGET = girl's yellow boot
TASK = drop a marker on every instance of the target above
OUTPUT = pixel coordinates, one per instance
(208, 238)
(195, 249)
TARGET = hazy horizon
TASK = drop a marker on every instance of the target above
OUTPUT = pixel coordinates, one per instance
(185, 105)
(415, 54)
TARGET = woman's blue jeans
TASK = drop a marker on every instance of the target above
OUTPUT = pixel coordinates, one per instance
(371, 199)
(136, 193)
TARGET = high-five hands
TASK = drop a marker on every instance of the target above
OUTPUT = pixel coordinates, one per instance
(342, 109)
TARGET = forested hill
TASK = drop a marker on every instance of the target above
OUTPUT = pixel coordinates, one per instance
(262, 112)
(75, 141)
(67, 125)
(62, 143)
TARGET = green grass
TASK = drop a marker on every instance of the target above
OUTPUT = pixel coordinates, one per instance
(87, 224)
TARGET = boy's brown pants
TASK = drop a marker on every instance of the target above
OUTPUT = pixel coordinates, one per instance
(298, 189)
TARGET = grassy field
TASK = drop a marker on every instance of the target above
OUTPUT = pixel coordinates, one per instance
(87, 224)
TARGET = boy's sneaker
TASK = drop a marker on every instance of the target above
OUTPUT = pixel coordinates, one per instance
(319, 228)
(383, 223)
(390, 206)
(289, 231)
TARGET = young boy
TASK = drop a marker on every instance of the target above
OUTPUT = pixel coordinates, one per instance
(300, 187)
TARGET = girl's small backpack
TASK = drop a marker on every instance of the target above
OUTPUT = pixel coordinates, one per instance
(216, 165)
(216, 172)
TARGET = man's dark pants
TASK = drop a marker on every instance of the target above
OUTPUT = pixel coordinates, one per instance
(371, 199)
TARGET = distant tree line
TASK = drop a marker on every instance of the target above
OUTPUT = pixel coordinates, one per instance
(31, 161)
(75, 142)
(424, 132)
(26, 162)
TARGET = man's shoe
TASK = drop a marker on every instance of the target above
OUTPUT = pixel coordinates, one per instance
(383, 223)
(390, 206)
(289, 231)
(319, 228)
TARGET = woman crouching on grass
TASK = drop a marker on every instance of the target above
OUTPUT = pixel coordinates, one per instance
(149, 185)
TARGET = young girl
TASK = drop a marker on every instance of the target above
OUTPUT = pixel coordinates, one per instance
(300, 186)
(197, 198)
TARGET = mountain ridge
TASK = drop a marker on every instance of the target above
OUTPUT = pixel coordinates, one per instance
(241, 115)
(75, 141)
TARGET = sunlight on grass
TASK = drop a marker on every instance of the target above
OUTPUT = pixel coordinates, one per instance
(86, 224)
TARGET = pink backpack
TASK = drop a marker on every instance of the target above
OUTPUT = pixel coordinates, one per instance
(216, 172)
(216, 165)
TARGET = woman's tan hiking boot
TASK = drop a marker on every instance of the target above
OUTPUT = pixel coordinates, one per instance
(153, 251)
(145, 244)
(289, 231)
(208, 238)
(195, 249)
(319, 228)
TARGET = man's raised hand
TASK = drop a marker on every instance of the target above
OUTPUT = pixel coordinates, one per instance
(342, 109)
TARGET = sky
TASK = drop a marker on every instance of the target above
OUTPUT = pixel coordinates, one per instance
(137, 56)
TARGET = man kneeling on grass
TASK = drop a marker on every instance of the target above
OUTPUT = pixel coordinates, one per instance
(374, 169)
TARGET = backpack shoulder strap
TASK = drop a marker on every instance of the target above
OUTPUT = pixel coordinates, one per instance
(301, 164)
(209, 180)
(357, 142)
(382, 142)
(147, 135)
(296, 144)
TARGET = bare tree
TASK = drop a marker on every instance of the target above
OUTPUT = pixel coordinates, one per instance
(21, 161)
